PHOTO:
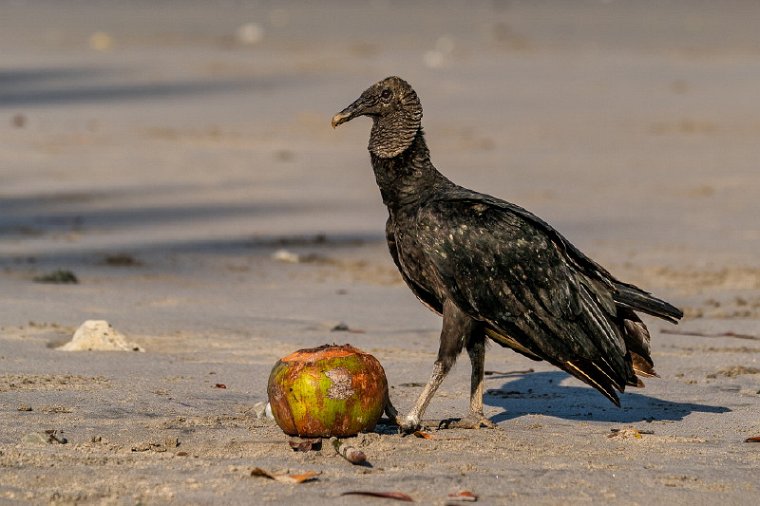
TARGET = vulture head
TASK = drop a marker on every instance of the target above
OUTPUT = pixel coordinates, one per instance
(396, 114)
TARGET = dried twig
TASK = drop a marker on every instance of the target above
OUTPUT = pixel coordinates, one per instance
(399, 496)
(351, 454)
(508, 373)
(729, 333)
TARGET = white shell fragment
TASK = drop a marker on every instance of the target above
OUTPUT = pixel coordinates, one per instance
(99, 335)
(285, 256)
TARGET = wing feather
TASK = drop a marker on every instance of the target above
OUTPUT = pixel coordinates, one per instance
(503, 269)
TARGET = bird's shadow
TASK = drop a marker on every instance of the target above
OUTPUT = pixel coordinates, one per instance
(542, 393)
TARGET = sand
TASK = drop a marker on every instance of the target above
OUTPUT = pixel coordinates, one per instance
(167, 155)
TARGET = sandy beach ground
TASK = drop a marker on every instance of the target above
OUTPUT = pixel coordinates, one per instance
(163, 152)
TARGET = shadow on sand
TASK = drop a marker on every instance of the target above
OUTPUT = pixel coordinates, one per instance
(60, 86)
(36, 216)
(541, 393)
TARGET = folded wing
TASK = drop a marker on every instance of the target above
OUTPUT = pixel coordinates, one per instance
(504, 269)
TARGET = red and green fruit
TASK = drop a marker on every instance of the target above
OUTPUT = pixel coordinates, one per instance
(327, 391)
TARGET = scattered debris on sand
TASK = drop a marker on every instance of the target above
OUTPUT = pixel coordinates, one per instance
(45, 437)
(121, 260)
(58, 277)
(734, 371)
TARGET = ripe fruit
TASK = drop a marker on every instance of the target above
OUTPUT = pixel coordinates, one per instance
(327, 391)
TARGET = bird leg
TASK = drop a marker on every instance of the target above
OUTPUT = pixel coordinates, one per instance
(476, 350)
(411, 422)
(457, 329)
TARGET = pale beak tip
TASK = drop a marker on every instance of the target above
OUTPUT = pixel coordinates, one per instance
(337, 120)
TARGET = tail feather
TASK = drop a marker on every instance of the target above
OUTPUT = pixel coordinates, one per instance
(643, 366)
(632, 297)
(599, 372)
(636, 336)
(592, 374)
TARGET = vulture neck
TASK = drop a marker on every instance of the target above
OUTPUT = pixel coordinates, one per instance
(409, 178)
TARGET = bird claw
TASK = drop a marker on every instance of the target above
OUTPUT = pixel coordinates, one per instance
(407, 424)
(471, 421)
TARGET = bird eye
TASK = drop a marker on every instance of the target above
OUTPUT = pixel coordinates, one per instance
(386, 94)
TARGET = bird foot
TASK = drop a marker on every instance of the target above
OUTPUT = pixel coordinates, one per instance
(471, 421)
(408, 424)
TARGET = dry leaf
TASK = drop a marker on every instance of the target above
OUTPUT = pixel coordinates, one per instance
(755, 439)
(399, 496)
(284, 477)
(298, 478)
(463, 495)
(423, 435)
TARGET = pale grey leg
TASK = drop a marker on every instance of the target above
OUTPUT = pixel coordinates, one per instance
(457, 329)
(476, 349)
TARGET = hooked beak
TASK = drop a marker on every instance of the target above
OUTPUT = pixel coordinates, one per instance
(339, 118)
(349, 113)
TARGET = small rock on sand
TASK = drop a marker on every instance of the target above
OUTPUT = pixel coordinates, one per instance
(99, 335)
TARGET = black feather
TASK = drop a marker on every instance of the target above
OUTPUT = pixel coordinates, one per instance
(635, 298)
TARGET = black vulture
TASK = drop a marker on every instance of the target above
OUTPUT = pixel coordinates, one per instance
(494, 270)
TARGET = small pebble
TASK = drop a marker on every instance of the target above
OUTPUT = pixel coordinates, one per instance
(18, 121)
(101, 41)
(249, 34)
